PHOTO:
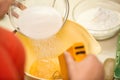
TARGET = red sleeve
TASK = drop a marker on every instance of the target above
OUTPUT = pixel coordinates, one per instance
(7, 69)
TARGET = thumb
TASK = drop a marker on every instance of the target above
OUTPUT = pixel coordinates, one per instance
(70, 62)
(69, 59)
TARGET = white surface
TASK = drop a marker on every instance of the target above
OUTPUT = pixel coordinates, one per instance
(108, 46)
(6, 23)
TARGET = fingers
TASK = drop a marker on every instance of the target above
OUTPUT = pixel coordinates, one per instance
(4, 6)
(90, 58)
(91, 63)
(70, 62)
(20, 5)
(68, 57)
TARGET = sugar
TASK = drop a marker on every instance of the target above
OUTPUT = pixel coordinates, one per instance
(99, 18)
(101, 22)
(40, 22)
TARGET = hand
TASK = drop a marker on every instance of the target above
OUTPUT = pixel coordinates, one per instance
(88, 69)
(4, 6)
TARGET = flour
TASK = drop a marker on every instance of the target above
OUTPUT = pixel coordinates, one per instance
(40, 22)
(98, 19)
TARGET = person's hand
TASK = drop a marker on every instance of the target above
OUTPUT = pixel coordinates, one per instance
(88, 69)
(4, 6)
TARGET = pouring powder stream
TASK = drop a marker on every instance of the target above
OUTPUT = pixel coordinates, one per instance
(47, 47)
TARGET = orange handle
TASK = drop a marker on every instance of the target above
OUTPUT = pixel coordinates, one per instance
(78, 53)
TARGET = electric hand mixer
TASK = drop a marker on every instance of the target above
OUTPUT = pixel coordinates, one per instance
(52, 42)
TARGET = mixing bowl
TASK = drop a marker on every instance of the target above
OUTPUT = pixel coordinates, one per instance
(100, 17)
(59, 8)
(70, 34)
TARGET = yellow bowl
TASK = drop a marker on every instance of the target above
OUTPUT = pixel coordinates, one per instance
(31, 77)
(70, 34)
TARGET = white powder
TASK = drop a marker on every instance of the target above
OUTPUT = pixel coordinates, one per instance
(99, 18)
(47, 48)
(40, 22)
